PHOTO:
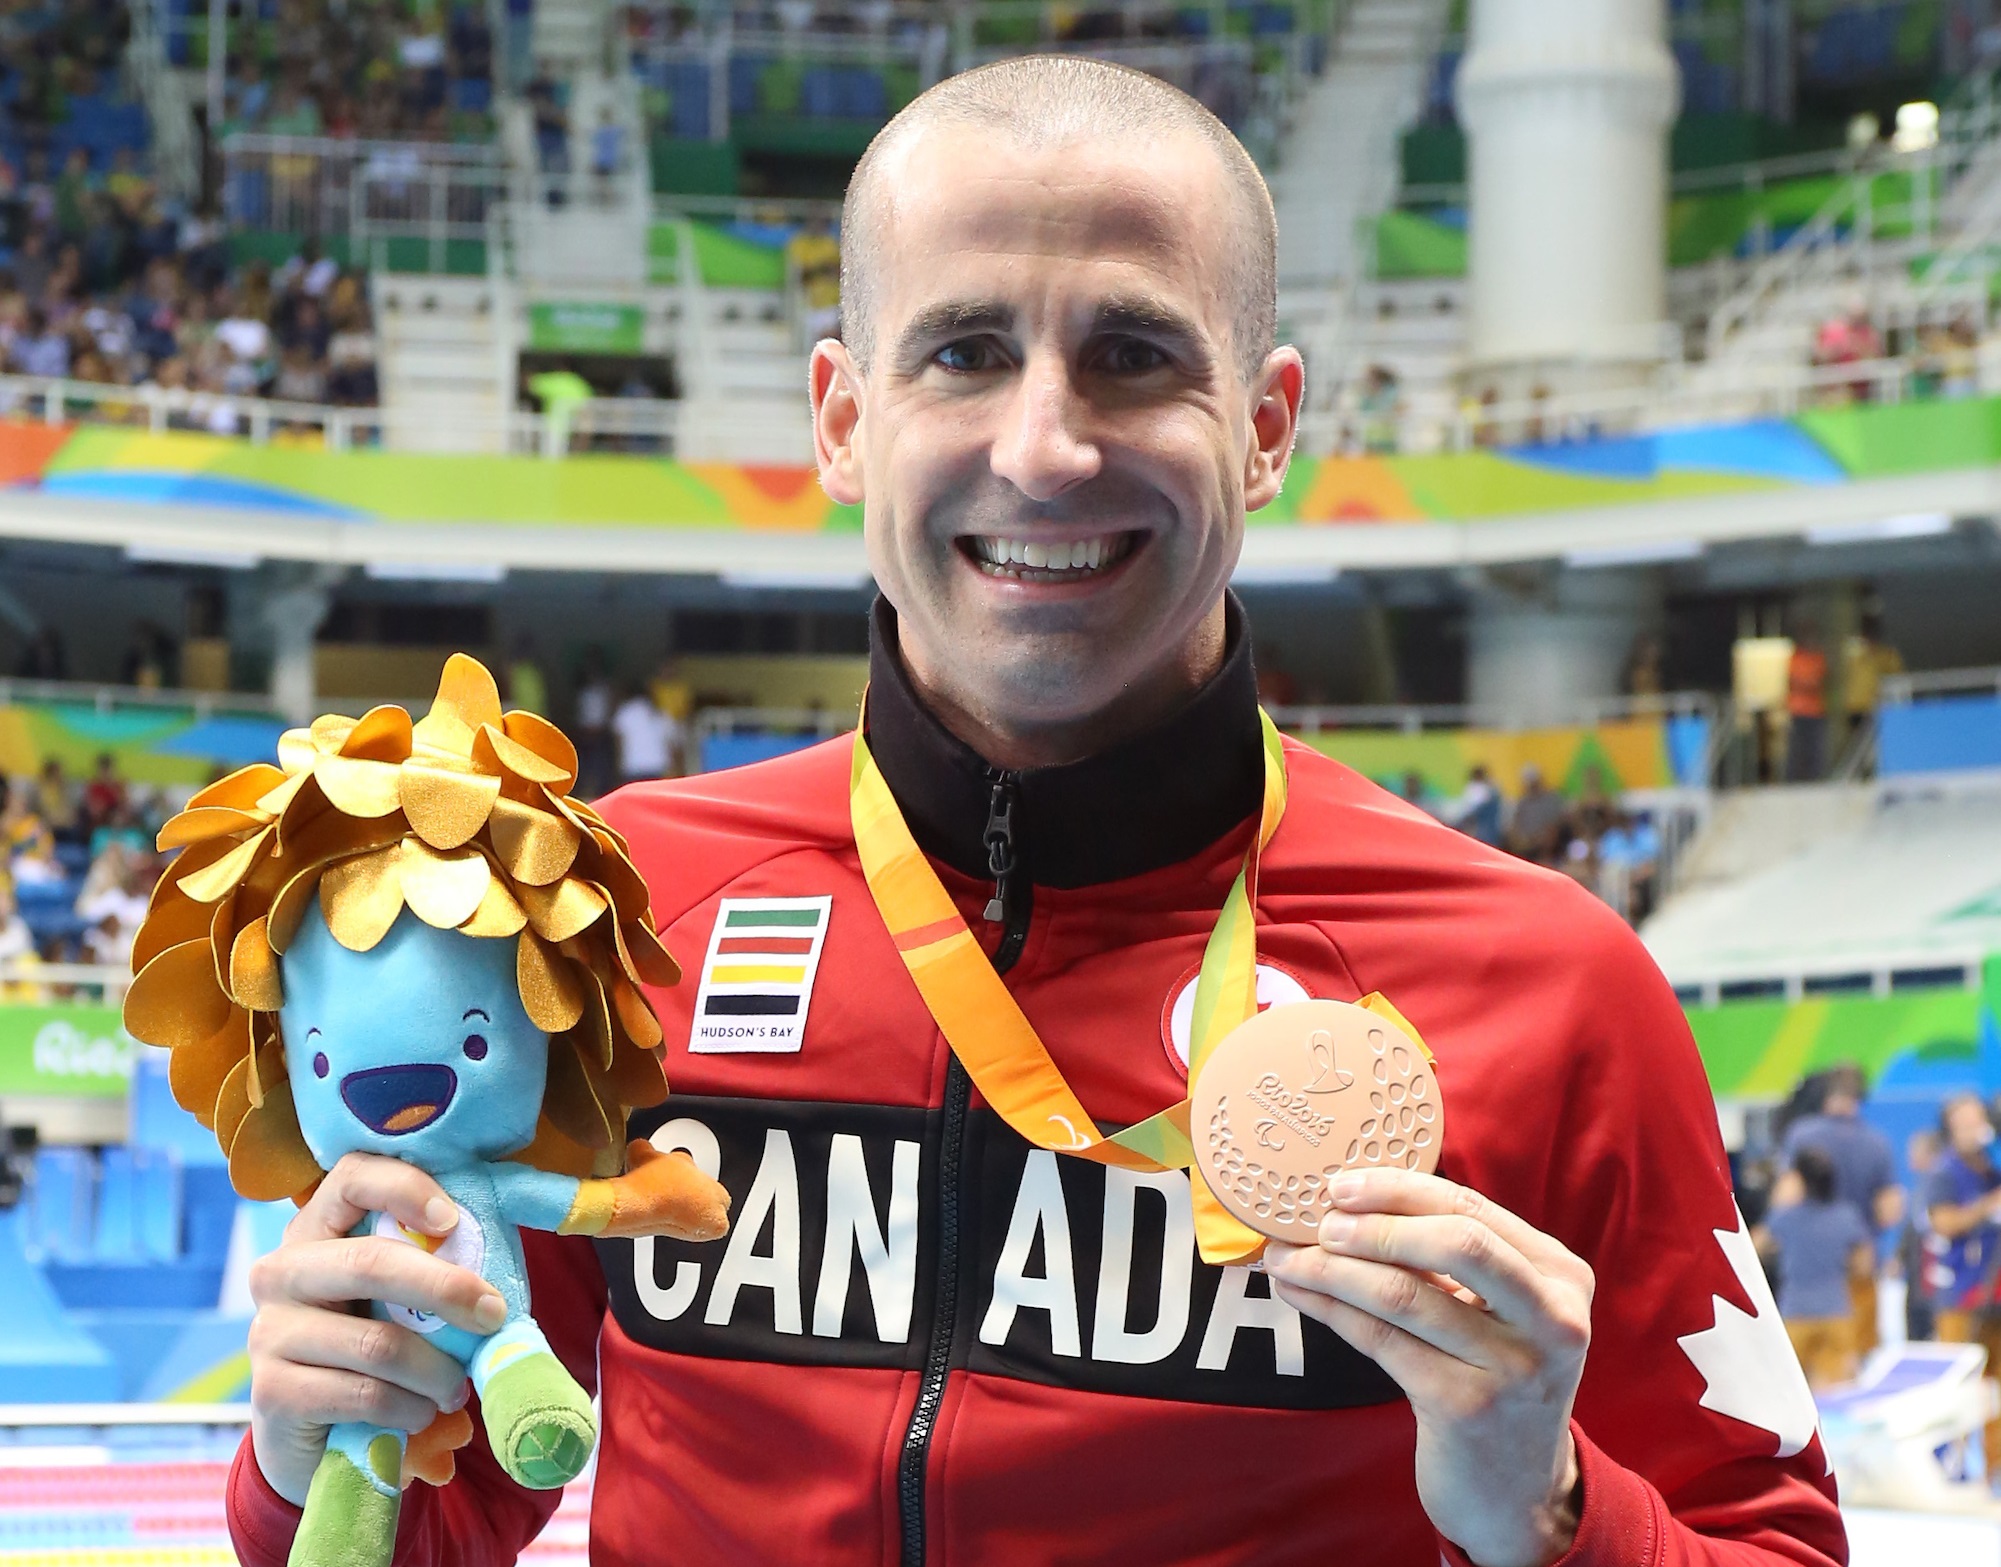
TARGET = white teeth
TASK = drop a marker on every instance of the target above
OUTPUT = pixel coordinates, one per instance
(1000, 554)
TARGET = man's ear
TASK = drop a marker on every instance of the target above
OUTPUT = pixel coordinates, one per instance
(1280, 389)
(835, 386)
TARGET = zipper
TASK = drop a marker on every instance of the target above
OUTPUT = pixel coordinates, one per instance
(1009, 907)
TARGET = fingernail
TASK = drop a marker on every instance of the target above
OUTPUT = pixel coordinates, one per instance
(1336, 1228)
(490, 1312)
(1347, 1186)
(440, 1215)
(461, 1398)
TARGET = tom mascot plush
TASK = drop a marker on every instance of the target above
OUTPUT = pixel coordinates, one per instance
(408, 939)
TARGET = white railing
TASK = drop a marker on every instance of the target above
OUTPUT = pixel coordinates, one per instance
(109, 981)
(108, 698)
(369, 192)
(648, 425)
(1674, 396)
(1902, 689)
(1417, 717)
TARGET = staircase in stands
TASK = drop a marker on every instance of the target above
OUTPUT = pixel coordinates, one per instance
(445, 358)
(1339, 172)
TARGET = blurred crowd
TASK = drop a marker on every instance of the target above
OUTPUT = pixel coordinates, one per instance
(1595, 839)
(377, 69)
(1837, 1216)
(77, 866)
(102, 282)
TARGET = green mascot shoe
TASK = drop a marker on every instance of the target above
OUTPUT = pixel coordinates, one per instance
(539, 1421)
(349, 1520)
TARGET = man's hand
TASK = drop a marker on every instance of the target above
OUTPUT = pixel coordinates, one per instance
(313, 1361)
(1483, 1322)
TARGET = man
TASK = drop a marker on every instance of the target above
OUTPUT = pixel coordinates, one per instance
(1865, 1171)
(647, 738)
(1963, 1205)
(1536, 831)
(1806, 708)
(929, 1341)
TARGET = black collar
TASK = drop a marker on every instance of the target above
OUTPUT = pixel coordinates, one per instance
(1153, 800)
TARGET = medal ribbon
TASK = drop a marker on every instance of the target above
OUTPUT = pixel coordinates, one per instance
(992, 1037)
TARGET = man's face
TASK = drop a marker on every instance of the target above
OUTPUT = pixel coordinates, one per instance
(1968, 1126)
(1054, 440)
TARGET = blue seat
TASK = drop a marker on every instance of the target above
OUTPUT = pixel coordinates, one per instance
(687, 83)
(158, 1178)
(115, 1235)
(746, 71)
(59, 1219)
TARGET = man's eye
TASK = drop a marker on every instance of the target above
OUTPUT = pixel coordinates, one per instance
(964, 358)
(1132, 356)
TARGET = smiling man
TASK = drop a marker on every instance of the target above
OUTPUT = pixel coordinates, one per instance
(932, 1338)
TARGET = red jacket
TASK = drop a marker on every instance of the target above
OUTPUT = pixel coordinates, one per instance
(924, 1342)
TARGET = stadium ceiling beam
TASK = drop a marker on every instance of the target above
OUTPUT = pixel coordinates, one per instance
(1657, 530)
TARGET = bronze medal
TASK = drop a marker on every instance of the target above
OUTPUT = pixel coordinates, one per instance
(1291, 1098)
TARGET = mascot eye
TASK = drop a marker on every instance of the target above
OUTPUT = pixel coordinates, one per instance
(320, 1064)
(475, 1047)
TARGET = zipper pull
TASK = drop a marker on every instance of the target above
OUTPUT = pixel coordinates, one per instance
(999, 838)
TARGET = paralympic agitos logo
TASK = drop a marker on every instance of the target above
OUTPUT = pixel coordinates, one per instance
(1080, 1275)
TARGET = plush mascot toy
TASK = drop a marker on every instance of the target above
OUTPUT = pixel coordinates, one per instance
(409, 940)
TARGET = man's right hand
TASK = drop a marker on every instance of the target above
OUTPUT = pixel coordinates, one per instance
(314, 1361)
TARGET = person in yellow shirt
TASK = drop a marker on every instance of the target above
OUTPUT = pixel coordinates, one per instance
(813, 255)
(1866, 659)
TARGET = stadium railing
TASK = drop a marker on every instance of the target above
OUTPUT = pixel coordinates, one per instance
(648, 425)
(1754, 390)
(365, 193)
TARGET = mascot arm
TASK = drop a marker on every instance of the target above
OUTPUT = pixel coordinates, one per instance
(659, 1194)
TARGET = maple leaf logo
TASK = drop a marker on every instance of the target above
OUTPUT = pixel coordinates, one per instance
(1746, 1360)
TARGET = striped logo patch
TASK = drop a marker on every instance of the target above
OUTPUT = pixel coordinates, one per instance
(757, 979)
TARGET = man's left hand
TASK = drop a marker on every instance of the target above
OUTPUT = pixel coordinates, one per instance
(1483, 1321)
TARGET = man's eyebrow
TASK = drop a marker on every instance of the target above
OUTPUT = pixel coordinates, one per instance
(1150, 318)
(949, 318)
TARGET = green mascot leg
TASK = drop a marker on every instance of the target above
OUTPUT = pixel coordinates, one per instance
(537, 1418)
(350, 1517)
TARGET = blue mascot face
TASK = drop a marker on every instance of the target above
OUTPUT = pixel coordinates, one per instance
(418, 1048)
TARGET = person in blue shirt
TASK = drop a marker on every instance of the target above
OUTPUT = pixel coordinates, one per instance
(1823, 1244)
(1963, 1203)
(1865, 1170)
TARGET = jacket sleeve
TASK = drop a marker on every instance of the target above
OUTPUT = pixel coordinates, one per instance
(481, 1518)
(1697, 1437)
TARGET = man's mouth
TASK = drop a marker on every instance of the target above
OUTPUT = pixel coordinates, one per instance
(393, 1100)
(1049, 560)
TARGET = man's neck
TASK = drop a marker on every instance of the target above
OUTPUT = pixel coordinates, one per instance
(1016, 743)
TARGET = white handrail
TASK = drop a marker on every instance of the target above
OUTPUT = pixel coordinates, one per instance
(106, 698)
(161, 408)
(1902, 689)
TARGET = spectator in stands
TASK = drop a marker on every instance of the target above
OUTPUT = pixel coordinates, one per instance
(1415, 791)
(1806, 707)
(28, 844)
(1866, 659)
(1629, 855)
(607, 154)
(1538, 827)
(814, 256)
(17, 946)
(1644, 674)
(1381, 404)
(1477, 811)
(597, 756)
(103, 794)
(1864, 1167)
(113, 902)
(58, 802)
(1825, 1252)
(1914, 1240)
(527, 689)
(648, 740)
(1963, 1210)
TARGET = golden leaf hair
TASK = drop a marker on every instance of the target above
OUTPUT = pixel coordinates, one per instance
(465, 818)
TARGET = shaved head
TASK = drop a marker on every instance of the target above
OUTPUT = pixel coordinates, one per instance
(1047, 101)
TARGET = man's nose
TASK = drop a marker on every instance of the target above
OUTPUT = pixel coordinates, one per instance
(1043, 446)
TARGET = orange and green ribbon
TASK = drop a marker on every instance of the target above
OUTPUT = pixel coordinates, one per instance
(993, 1038)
